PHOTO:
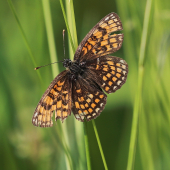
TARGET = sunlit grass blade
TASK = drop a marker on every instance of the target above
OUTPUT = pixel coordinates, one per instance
(68, 29)
(72, 26)
(80, 162)
(50, 36)
(138, 97)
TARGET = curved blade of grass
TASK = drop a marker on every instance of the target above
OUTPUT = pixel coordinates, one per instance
(136, 111)
(24, 37)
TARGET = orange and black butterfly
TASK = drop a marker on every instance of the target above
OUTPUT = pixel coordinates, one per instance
(79, 87)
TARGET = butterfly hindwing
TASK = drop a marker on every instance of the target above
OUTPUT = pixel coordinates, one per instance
(98, 42)
(88, 99)
(109, 72)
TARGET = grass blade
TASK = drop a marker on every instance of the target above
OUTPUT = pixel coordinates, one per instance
(87, 146)
(99, 144)
(137, 106)
(77, 125)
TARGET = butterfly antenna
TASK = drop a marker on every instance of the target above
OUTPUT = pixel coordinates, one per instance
(64, 43)
(46, 65)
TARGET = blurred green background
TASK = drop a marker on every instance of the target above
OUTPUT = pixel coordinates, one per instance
(23, 146)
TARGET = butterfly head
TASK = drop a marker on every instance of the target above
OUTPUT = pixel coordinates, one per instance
(67, 63)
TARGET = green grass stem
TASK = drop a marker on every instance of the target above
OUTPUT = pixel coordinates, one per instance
(68, 29)
(50, 35)
(87, 146)
(77, 125)
(138, 97)
(99, 144)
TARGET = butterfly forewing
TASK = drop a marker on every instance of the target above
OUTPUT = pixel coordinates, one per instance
(57, 97)
(98, 41)
(88, 99)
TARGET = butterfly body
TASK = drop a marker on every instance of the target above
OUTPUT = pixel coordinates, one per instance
(73, 67)
(80, 87)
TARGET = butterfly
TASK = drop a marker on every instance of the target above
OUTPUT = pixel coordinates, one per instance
(79, 87)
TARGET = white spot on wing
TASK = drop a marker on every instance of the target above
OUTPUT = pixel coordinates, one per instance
(118, 83)
(106, 18)
(97, 109)
(88, 117)
(114, 87)
(77, 116)
(35, 115)
(35, 121)
(121, 61)
(101, 104)
(124, 72)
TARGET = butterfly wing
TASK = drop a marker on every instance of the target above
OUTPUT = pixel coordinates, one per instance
(109, 72)
(88, 100)
(57, 97)
(98, 42)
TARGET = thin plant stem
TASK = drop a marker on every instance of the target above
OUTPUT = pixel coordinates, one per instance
(99, 144)
(65, 147)
(68, 30)
(81, 162)
(24, 37)
(138, 97)
(73, 24)
(50, 35)
(87, 146)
